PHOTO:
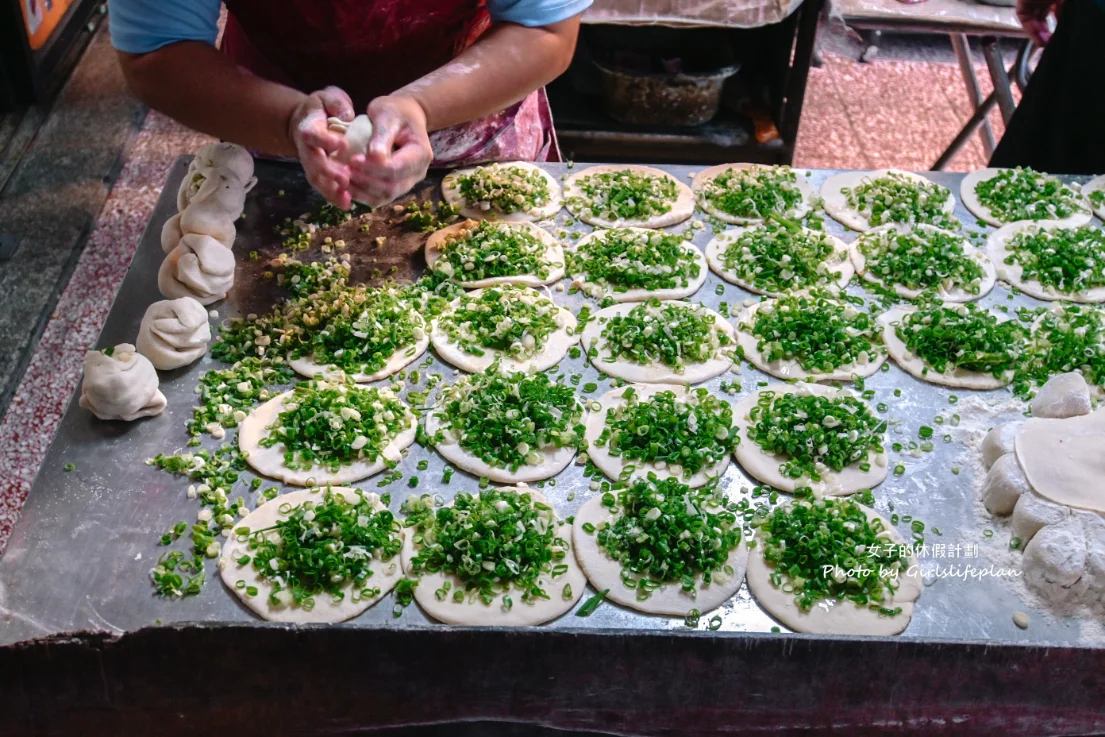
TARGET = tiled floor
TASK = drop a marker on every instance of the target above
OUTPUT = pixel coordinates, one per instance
(857, 116)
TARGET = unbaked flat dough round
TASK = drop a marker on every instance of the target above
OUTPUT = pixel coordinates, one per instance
(668, 599)
(1063, 459)
(841, 267)
(474, 612)
(553, 257)
(831, 617)
(613, 466)
(554, 460)
(916, 367)
(307, 366)
(802, 182)
(556, 347)
(450, 191)
(1097, 184)
(791, 369)
(955, 294)
(982, 212)
(657, 373)
(270, 461)
(998, 246)
(836, 202)
(385, 574)
(765, 468)
(681, 209)
(639, 295)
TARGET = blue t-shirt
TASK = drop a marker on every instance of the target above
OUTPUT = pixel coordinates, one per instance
(142, 26)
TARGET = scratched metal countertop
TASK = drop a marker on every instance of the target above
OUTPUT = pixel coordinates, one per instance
(79, 557)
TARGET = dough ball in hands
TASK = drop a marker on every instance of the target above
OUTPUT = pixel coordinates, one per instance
(868, 587)
(692, 555)
(174, 333)
(120, 384)
(199, 267)
(527, 578)
(358, 132)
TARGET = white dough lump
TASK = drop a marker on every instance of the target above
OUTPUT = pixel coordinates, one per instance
(999, 441)
(358, 132)
(1065, 395)
(1005, 483)
(225, 157)
(200, 267)
(120, 384)
(174, 333)
(212, 211)
(1033, 513)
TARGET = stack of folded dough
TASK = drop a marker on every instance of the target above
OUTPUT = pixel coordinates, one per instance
(210, 199)
(174, 332)
(122, 386)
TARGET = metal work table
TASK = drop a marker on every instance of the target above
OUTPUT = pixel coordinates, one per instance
(85, 644)
(958, 19)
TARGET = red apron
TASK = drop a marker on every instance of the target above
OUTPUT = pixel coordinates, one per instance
(371, 49)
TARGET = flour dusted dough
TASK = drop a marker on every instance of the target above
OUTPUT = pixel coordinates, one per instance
(1063, 459)
(385, 573)
(554, 459)
(358, 132)
(836, 202)
(681, 209)
(831, 617)
(955, 294)
(307, 366)
(765, 467)
(982, 212)
(450, 190)
(554, 256)
(669, 599)
(122, 386)
(915, 366)
(1097, 184)
(227, 157)
(199, 267)
(802, 182)
(556, 347)
(998, 247)
(613, 466)
(1062, 396)
(173, 333)
(474, 612)
(270, 461)
(791, 369)
(840, 265)
(657, 373)
(595, 288)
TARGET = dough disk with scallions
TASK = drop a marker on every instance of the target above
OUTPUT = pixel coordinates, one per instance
(270, 461)
(747, 269)
(385, 574)
(614, 466)
(1000, 247)
(1094, 191)
(1080, 211)
(587, 256)
(832, 616)
(754, 176)
(679, 207)
(473, 612)
(767, 468)
(396, 362)
(551, 259)
(504, 175)
(836, 200)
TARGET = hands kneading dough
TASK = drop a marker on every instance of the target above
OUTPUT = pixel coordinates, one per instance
(122, 386)
(357, 134)
(174, 333)
(200, 268)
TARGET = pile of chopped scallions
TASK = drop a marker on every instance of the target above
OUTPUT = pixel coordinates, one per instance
(621, 259)
(664, 532)
(1025, 194)
(504, 188)
(754, 192)
(227, 395)
(830, 549)
(965, 337)
(776, 258)
(487, 250)
(674, 334)
(820, 333)
(494, 542)
(1068, 260)
(511, 320)
(1097, 198)
(509, 421)
(684, 435)
(895, 198)
(815, 433)
(321, 548)
(625, 195)
(921, 259)
(333, 425)
(1068, 337)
